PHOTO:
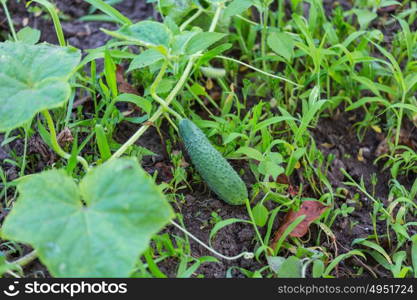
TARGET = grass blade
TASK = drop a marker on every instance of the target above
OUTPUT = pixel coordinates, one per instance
(110, 11)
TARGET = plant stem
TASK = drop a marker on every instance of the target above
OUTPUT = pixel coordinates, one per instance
(171, 95)
(25, 149)
(248, 208)
(9, 20)
(247, 255)
(280, 13)
(159, 99)
(54, 142)
(216, 17)
(247, 20)
(257, 70)
(264, 19)
(28, 258)
(192, 18)
(399, 122)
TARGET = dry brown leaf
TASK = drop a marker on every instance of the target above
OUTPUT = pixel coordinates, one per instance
(311, 209)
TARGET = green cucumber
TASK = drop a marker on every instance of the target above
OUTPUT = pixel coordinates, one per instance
(221, 178)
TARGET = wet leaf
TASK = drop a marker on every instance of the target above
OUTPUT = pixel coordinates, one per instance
(96, 228)
(176, 9)
(5, 266)
(33, 78)
(29, 35)
(414, 254)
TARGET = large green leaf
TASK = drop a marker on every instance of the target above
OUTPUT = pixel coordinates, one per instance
(290, 268)
(97, 228)
(33, 78)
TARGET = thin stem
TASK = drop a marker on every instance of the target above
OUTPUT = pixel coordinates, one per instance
(171, 95)
(9, 20)
(201, 102)
(399, 122)
(159, 99)
(13, 274)
(216, 17)
(192, 18)
(258, 70)
(23, 261)
(264, 19)
(246, 255)
(280, 13)
(179, 118)
(54, 142)
(248, 20)
(53, 11)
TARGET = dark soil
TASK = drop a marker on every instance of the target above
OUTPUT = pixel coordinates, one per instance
(335, 136)
(338, 136)
(80, 34)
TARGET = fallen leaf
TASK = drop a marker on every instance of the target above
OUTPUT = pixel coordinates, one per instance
(360, 155)
(293, 190)
(65, 137)
(164, 171)
(327, 145)
(388, 9)
(38, 146)
(376, 128)
(122, 84)
(311, 209)
(283, 179)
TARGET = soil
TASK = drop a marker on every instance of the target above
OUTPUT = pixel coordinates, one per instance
(335, 136)
(80, 34)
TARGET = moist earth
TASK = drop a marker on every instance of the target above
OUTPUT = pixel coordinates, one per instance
(334, 135)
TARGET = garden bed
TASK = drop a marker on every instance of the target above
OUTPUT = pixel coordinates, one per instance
(343, 139)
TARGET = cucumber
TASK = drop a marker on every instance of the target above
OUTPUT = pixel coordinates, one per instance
(221, 178)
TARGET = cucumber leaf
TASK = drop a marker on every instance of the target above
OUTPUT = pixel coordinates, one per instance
(33, 78)
(96, 228)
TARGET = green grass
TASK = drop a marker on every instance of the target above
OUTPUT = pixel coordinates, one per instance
(259, 89)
